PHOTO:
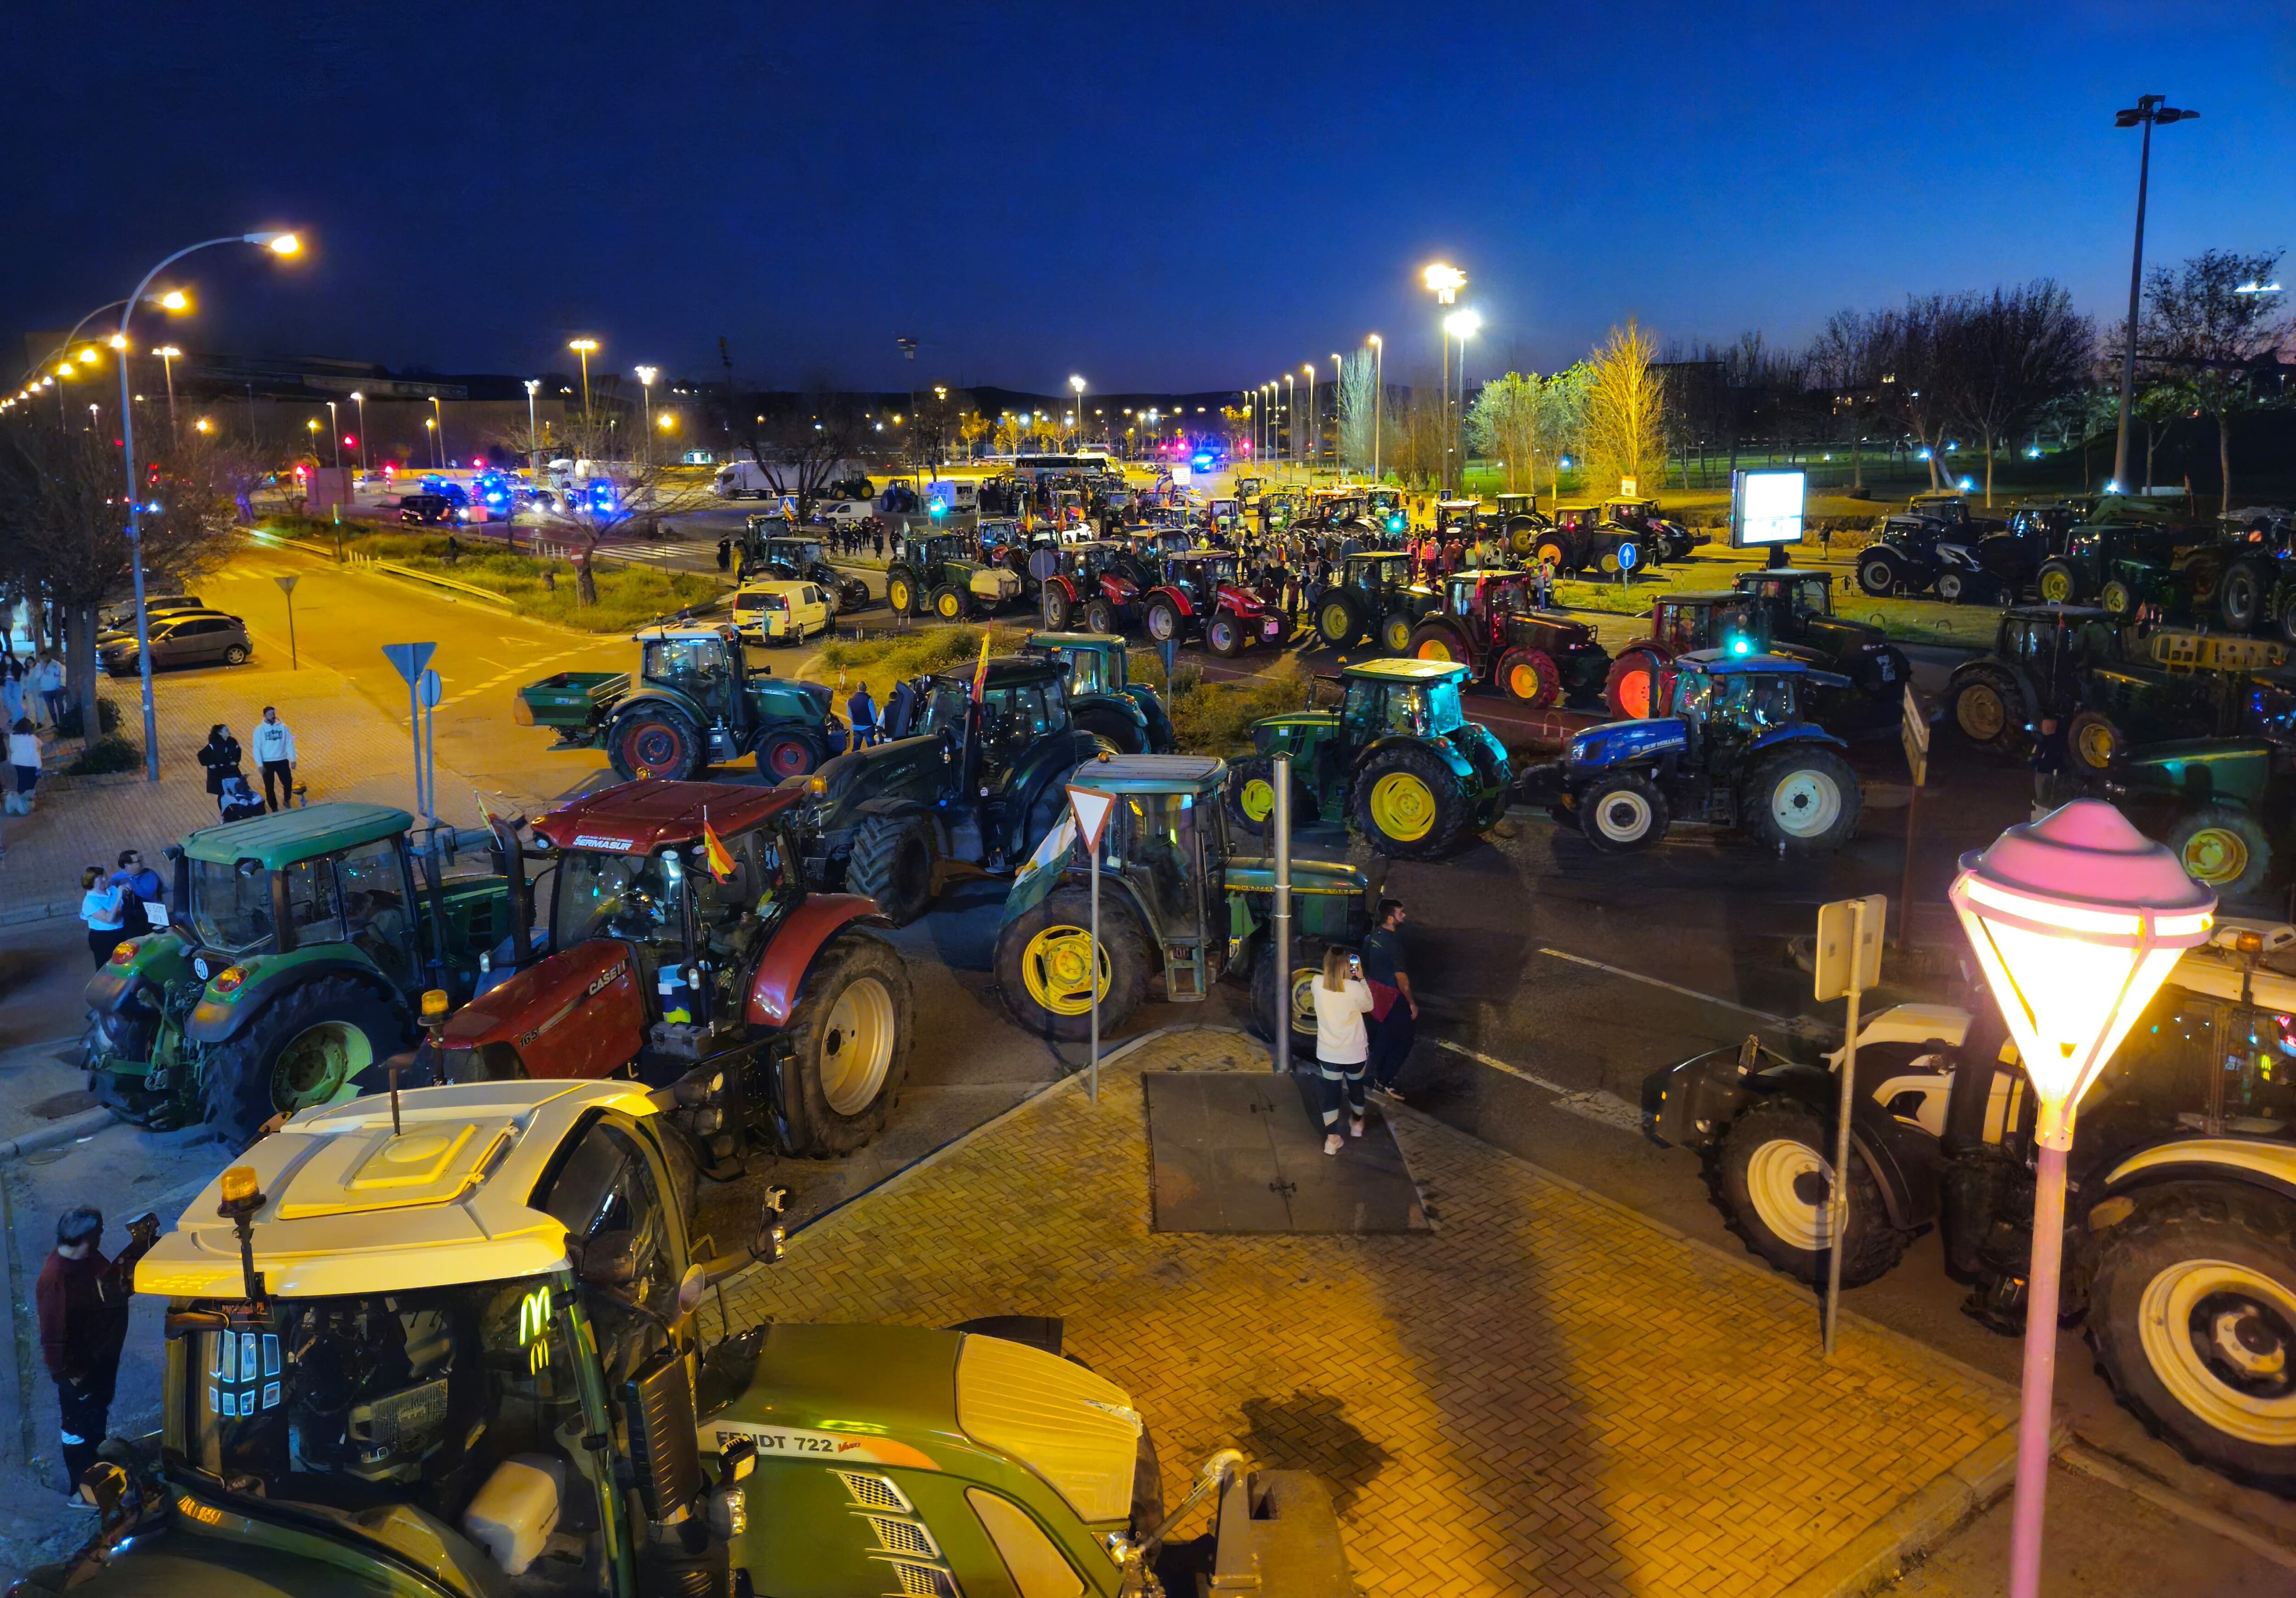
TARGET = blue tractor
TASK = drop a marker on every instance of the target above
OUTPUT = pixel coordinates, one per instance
(1732, 751)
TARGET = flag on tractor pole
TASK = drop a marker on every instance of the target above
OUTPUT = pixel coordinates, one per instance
(486, 816)
(980, 672)
(714, 852)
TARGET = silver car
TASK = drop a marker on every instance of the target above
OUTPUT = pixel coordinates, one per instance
(201, 639)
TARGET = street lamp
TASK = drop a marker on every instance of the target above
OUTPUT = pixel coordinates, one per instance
(430, 430)
(1077, 384)
(335, 427)
(168, 354)
(279, 243)
(1291, 390)
(438, 433)
(1445, 282)
(2148, 110)
(646, 375)
(2076, 920)
(582, 348)
(1315, 434)
(533, 432)
(359, 400)
(1462, 326)
(1378, 397)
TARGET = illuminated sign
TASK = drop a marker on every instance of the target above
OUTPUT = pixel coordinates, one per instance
(1765, 508)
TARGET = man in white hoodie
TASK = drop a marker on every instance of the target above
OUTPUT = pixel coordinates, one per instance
(275, 752)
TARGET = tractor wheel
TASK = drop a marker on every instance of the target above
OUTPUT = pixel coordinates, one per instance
(1623, 813)
(2239, 597)
(892, 863)
(787, 754)
(2059, 583)
(1557, 550)
(1438, 641)
(1802, 802)
(850, 1043)
(901, 594)
(1952, 587)
(1223, 635)
(2092, 743)
(853, 594)
(1306, 966)
(1631, 688)
(1058, 607)
(2223, 847)
(1520, 538)
(1164, 621)
(951, 603)
(1336, 622)
(1100, 617)
(2192, 1317)
(2287, 623)
(651, 741)
(1126, 735)
(1395, 634)
(1046, 968)
(2119, 597)
(1984, 707)
(302, 1049)
(1877, 574)
(1530, 676)
(1408, 804)
(1251, 797)
(1773, 1181)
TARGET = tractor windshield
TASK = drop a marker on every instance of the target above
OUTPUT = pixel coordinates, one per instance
(1814, 596)
(357, 897)
(633, 896)
(1085, 674)
(1424, 709)
(697, 665)
(1755, 703)
(945, 707)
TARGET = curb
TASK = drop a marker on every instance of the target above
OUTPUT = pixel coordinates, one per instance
(25, 914)
(69, 1130)
(1920, 1523)
(2104, 1468)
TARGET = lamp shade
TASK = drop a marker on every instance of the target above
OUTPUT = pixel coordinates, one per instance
(2077, 919)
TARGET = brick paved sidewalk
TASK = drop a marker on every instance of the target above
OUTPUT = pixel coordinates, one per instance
(1546, 1395)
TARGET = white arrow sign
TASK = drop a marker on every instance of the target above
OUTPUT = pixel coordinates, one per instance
(1092, 808)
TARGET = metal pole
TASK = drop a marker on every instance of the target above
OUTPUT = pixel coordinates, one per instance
(1092, 978)
(1906, 884)
(1838, 1201)
(414, 727)
(1443, 410)
(1378, 402)
(1282, 821)
(2040, 1374)
(294, 658)
(2135, 282)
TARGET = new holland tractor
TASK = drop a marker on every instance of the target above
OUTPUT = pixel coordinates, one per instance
(2180, 1232)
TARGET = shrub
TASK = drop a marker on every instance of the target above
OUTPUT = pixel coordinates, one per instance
(70, 725)
(106, 757)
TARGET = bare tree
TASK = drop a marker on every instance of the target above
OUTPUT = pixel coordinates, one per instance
(1848, 360)
(1358, 407)
(2007, 357)
(1624, 428)
(800, 446)
(599, 491)
(2213, 331)
(1911, 345)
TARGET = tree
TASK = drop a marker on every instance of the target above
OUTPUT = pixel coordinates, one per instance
(2213, 338)
(2008, 356)
(605, 492)
(1358, 409)
(1847, 361)
(1909, 347)
(1623, 430)
(800, 446)
(1414, 443)
(1502, 423)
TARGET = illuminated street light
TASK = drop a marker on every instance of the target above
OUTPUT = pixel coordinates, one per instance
(335, 428)
(1445, 282)
(583, 347)
(1378, 397)
(646, 375)
(168, 354)
(2253, 287)
(1077, 384)
(176, 300)
(2076, 920)
(533, 433)
(359, 400)
(2149, 110)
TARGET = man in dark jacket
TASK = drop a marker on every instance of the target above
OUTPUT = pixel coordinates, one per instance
(1395, 1009)
(861, 716)
(83, 1301)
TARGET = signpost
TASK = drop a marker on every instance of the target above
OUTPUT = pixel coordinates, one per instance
(1280, 775)
(1848, 961)
(1092, 807)
(411, 659)
(1627, 555)
(287, 586)
(1914, 732)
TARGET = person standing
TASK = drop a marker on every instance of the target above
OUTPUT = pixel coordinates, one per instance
(99, 907)
(724, 555)
(24, 756)
(275, 757)
(220, 756)
(1395, 1009)
(12, 691)
(877, 536)
(861, 716)
(52, 689)
(142, 894)
(83, 1302)
(1342, 1000)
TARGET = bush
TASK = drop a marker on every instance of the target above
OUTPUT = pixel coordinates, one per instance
(881, 663)
(1215, 718)
(106, 757)
(72, 726)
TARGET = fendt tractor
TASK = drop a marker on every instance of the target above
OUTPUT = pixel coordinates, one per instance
(2180, 1232)
(449, 1345)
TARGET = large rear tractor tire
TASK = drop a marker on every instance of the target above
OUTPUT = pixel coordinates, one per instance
(1408, 803)
(1987, 710)
(1530, 676)
(2224, 847)
(901, 594)
(1877, 574)
(1395, 634)
(1046, 968)
(2193, 1316)
(651, 741)
(892, 863)
(2118, 595)
(1058, 607)
(1126, 735)
(1802, 802)
(850, 1043)
(951, 603)
(1251, 797)
(1165, 622)
(1631, 687)
(2058, 583)
(1773, 1181)
(302, 1049)
(1336, 622)
(1307, 968)
(1556, 551)
(1623, 813)
(1438, 641)
(784, 755)
(2239, 597)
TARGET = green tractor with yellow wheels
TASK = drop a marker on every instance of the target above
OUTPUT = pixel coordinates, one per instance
(1179, 908)
(1399, 761)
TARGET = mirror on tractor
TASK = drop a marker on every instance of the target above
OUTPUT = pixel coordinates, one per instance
(768, 1246)
(609, 1260)
(691, 1288)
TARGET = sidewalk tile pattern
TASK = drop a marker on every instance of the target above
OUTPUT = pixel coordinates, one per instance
(1544, 1395)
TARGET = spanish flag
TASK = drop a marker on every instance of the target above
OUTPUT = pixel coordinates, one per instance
(980, 672)
(714, 852)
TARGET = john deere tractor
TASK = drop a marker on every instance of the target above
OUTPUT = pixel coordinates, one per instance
(1399, 759)
(942, 575)
(1370, 598)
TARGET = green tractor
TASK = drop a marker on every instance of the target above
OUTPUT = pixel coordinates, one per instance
(1372, 598)
(942, 574)
(1177, 902)
(1399, 759)
(1102, 698)
(769, 549)
(299, 945)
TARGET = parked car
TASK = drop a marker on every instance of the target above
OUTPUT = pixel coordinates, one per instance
(781, 613)
(203, 639)
(121, 618)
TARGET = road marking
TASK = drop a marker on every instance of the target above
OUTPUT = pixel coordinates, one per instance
(1805, 1024)
(1608, 1109)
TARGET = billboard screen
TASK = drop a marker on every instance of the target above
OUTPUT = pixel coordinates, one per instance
(1765, 508)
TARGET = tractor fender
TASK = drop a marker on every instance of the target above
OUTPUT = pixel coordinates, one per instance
(1460, 766)
(1804, 733)
(578, 1013)
(665, 698)
(218, 1018)
(782, 970)
(1900, 1158)
(1179, 600)
(1688, 1105)
(2244, 1162)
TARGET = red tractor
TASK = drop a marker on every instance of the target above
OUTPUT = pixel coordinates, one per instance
(1681, 624)
(1203, 591)
(1486, 620)
(772, 1012)
(1095, 583)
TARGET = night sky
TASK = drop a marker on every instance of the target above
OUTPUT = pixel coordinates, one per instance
(1157, 196)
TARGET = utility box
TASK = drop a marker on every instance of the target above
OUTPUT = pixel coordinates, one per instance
(330, 486)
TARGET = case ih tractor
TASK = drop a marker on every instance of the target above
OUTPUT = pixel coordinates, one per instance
(1096, 583)
(1399, 759)
(452, 1343)
(1102, 698)
(2179, 1251)
(768, 550)
(1181, 906)
(1372, 598)
(939, 575)
(1486, 620)
(782, 1013)
(698, 702)
(300, 945)
(1203, 591)
(1733, 752)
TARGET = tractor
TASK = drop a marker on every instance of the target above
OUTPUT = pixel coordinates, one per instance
(1372, 599)
(972, 791)
(1578, 538)
(1670, 540)
(1487, 620)
(452, 1343)
(1931, 544)
(678, 944)
(1177, 902)
(1798, 607)
(1520, 523)
(1102, 699)
(1682, 624)
(698, 702)
(2124, 556)
(768, 550)
(940, 574)
(1399, 759)
(1094, 583)
(298, 946)
(2178, 1252)
(1735, 752)
(1203, 591)
(2219, 803)
(2035, 531)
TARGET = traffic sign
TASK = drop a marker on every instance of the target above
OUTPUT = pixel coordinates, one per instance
(1629, 554)
(1850, 945)
(1092, 807)
(286, 584)
(426, 688)
(1914, 733)
(1044, 563)
(410, 658)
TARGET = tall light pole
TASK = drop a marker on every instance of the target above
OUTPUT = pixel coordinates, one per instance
(1378, 397)
(582, 348)
(1445, 282)
(430, 427)
(1315, 434)
(167, 354)
(359, 400)
(1077, 384)
(533, 431)
(646, 375)
(438, 433)
(1335, 417)
(1462, 326)
(1292, 417)
(2148, 110)
(2077, 919)
(335, 428)
(278, 244)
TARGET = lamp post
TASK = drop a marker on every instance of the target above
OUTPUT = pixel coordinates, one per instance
(430, 431)
(359, 400)
(1444, 282)
(2076, 920)
(335, 429)
(278, 244)
(1378, 397)
(438, 432)
(1077, 384)
(533, 432)
(1462, 326)
(1315, 439)
(582, 348)
(1336, 464)
(167, 354)
(1292, 417)
(2148, 110)
(646, 375)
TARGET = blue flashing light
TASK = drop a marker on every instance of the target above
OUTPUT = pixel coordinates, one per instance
(1922, 455)
(1741, 645)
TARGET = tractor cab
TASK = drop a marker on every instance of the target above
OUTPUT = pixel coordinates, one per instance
(1378, 575)
(1102, 696)
(1736, 698)
(1731, 623)
(1386, 510)
(1790, 594)
(1512, 505)
(708, 665)
(1022, 701)
(1279, 507)
(1200, 574)
(1418, 703)
(1943, 506)
(1579, 520)
(1463, 518)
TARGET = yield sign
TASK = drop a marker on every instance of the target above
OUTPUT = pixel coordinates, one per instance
(410, 658)
(1092, 807)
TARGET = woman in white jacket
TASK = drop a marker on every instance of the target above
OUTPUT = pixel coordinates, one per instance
(1342, 1045)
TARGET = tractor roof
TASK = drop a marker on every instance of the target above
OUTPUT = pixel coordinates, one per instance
(678, 634)
(350, 1208)
(1151, 773)
(1780, 574)
(1005, 670)
(639, 818)
(1491, 574)
(1407, 669)
(281, 839)
(1703, 596)
(1721, 663)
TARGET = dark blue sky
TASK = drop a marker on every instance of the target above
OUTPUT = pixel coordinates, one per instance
(1157, 196)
